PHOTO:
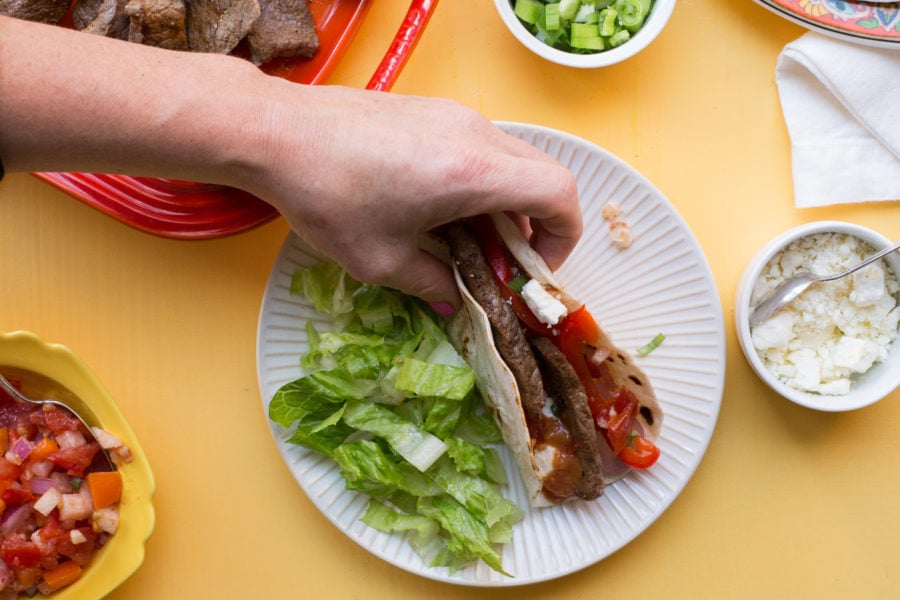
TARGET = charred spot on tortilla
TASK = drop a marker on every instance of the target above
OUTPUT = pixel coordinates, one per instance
(647, 414)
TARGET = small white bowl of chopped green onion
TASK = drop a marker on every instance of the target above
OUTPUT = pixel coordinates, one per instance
(585, 33)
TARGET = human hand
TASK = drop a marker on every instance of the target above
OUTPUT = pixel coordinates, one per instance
(363, 176)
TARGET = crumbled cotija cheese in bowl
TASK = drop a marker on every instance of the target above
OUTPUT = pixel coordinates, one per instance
(836, 346)
(834, 330)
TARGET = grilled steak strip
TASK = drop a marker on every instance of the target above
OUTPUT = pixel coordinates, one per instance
(567, 392)
(158, 23)
(101, 17)
(39, 11)
(284, 28)
(508, 334)
(219, 25)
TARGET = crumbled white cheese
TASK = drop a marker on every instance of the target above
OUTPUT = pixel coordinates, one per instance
(835, 330)
(545, 306)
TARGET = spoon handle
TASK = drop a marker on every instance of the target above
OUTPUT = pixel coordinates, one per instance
(869, 260)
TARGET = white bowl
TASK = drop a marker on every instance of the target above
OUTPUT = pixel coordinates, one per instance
(875, 384)
(653, 25)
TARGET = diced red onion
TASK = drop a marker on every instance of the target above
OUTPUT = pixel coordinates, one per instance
(39, 485)
(613, 467)
(14, 518)
(22, 447)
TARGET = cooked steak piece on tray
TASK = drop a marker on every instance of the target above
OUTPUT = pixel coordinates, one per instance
(219, 25)
(157, 23)
(102, 17)
(41, 11)
(285, 28)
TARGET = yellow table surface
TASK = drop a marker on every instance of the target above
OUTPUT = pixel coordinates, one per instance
(787, 502)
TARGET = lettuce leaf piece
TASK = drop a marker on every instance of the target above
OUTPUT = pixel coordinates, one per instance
(321, 435)
(421, 378)
(366, 467)
(482, 499)
(464, 529)
(467, 457)
(327, 287)
(296, 399)
(386, 519)
(416, 445)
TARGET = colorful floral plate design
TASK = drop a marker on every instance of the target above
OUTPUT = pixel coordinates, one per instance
(872, 23)
(186, 210)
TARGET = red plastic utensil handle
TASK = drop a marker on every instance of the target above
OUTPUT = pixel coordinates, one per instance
(401, 48)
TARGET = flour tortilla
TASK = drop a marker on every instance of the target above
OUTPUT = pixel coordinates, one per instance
(470, 331)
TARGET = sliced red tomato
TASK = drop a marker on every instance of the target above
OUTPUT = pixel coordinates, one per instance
(640, 453)
(19, 553)
(74, 460)
(577, 334)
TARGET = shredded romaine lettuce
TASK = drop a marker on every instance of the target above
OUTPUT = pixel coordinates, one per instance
(394, 404)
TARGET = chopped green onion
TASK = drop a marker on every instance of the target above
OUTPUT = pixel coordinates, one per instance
(561, 23)
(568, 9)
(517, 283)
(651, 345)
(551, 17)
(529, 10)
(619, 38)
(608, 21)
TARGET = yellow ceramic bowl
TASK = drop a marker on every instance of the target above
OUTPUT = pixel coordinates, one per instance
(124, 552)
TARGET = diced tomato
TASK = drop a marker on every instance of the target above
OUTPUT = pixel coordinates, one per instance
(15, 496)
(59, 420)
(640, 453)
(8, 470)
(79, 553)
(19, 553)
(75, 460)
(51, 534)
(621, 422)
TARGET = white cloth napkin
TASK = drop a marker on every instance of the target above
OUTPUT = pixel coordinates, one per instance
(841, 104)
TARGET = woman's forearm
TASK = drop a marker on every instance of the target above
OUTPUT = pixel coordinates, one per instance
(78, 102)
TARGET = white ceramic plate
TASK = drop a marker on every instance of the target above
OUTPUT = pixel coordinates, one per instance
(662, 283)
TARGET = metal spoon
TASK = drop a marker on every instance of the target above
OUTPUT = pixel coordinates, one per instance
(793, 287)
(104, 464)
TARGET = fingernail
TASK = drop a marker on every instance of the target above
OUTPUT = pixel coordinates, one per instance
(445, 309)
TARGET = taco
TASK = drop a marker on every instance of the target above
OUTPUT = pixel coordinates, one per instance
(576, 412)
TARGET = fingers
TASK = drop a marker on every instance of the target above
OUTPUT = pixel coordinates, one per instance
(412, 271)
(544, 203)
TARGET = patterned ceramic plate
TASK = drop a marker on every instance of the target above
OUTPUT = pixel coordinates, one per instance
(661, 283)
(875, 24)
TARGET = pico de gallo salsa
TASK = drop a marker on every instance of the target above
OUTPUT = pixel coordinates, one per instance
(56, 508)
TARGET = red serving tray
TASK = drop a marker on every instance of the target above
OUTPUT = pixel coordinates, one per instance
(187, 210)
